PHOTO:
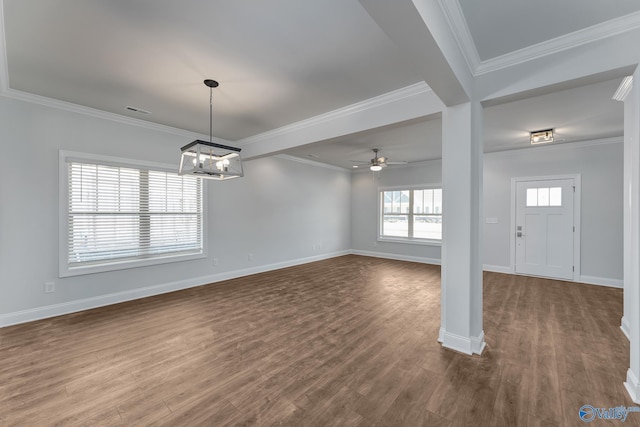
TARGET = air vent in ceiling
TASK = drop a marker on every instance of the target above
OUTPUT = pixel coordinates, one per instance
(137, 110)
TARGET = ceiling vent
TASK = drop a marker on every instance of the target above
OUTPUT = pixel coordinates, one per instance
(137, 110)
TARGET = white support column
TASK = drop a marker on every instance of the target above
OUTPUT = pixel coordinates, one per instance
(461, 300)
(631, 319)
(629, 125)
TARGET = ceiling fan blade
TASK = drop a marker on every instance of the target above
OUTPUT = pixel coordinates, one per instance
(379, 161)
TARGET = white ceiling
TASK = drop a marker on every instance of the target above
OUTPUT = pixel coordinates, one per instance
(277, 62)
(284, 61)
(499, 27)
(412, 141)
(576, 114)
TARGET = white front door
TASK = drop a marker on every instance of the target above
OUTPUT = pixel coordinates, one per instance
(544, 228)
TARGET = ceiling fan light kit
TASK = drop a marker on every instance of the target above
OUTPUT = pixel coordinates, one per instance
(209, 159)
(377, 163)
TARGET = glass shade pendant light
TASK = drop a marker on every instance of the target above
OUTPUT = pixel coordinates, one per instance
(209, 159)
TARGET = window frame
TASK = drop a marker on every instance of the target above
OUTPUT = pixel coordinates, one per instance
(410, 215)
(64, 269)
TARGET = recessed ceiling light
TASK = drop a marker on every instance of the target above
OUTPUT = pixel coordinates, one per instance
(354, 166)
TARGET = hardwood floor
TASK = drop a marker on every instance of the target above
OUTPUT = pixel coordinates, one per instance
(350, 341)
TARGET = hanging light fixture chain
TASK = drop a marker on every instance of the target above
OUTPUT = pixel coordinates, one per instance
(210, 84)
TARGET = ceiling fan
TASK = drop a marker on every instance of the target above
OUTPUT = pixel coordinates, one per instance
(377, 163)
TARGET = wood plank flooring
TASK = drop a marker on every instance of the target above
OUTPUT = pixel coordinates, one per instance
(350, 341)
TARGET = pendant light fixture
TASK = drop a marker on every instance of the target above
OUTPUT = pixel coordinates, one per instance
(208, 159)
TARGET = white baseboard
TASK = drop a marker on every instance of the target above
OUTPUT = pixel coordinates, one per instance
(466, 345)
(498, 268)
(626, 327)
(590, 280)
(601, 281)
(633, 386)
(397, 257)
(39, 313)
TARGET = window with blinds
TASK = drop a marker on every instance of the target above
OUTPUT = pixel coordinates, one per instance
(122, 216)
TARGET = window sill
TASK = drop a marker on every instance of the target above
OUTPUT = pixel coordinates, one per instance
(123, 265)
(423, 242)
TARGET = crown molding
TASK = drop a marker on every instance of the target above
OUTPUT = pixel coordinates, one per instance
(458, 24)
(100, 114)
(561, 145)
(353, 170)
(310, 162)
(429, 162)
(572, 40)
(377, 101)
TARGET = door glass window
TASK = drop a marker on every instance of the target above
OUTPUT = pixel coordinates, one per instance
(544, 196)
(555, 196)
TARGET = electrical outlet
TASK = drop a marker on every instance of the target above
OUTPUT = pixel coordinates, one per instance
(215, 262)
(249, 256)
(49, 287)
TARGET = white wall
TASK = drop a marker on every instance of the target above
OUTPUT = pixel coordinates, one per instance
(600, 166)
(283, 212)
(278, 212)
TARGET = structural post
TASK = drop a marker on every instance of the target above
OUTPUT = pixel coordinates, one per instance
(631, 319)
(461, 300)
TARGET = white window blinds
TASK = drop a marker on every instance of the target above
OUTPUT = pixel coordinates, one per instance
(119, 214)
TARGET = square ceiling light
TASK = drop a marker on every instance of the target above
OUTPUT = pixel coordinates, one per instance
(541, 136)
